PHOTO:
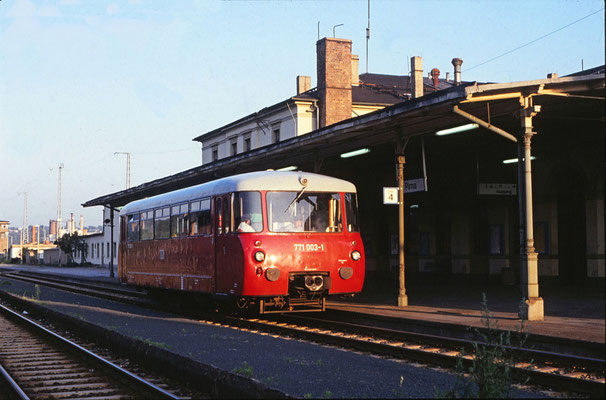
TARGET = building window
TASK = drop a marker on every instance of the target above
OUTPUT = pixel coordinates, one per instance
(424, 244)
(234, 148)
(247, 144)
(541, 237)
(275, 133)
(495, 234)
(215, 152)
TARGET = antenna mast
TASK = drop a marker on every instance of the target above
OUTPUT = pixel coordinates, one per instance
(367, 36)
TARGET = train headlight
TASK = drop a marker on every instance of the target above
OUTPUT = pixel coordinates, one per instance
(259, 256)
(314, 283)
(346, 272)
(355, 255)
(272, 274)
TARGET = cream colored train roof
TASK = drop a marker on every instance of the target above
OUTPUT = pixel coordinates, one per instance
(265, 180)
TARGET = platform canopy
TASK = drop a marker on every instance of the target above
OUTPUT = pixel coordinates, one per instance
(577, 97)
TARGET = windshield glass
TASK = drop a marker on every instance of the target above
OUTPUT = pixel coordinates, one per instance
(247, 212)
(304, 212)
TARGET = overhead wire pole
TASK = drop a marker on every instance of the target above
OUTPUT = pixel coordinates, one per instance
(59, 202)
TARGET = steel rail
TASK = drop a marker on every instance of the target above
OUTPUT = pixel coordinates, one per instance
(525, 353)
(12, 384)
(81, 351)
(75, 281)
(82, 288)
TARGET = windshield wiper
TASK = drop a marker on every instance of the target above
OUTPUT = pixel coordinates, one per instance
(296, 198)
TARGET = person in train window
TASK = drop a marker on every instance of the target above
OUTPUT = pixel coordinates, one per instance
(245, 225)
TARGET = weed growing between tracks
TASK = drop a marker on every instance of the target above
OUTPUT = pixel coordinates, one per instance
(490, 372)
(245, 370)
(150, 342)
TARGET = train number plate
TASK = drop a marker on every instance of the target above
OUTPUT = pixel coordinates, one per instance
(309, 247)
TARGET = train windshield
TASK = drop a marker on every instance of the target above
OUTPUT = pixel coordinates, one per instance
(248, 216)
(304, 212)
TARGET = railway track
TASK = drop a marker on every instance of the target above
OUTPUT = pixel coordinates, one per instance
(552, 369)
(39, 364)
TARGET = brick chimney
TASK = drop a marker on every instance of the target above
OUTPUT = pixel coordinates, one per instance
(334, 67)
(416, 78)
(303, 83)
(355, 70)
(435, 74)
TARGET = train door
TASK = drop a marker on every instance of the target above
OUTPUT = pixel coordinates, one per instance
(222, 229)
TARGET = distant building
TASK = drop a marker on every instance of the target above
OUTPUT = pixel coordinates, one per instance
(52, 227)
(3, 237)
(30, 253)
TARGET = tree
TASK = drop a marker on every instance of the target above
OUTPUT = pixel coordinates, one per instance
(70, 244)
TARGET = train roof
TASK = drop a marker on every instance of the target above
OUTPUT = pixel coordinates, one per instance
(263, 180)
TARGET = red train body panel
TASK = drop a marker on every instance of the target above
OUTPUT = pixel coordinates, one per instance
(280, 240)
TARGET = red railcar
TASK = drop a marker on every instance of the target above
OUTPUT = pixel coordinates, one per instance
(281, 241)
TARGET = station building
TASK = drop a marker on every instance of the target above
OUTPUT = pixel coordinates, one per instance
(472, 210)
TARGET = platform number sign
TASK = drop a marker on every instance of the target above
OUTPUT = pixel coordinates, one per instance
(390, 195)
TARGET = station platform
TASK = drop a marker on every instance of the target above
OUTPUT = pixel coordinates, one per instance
(574, 313)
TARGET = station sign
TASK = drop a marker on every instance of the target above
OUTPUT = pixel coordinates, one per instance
(415, 185)
(390, 194)
(499, 189)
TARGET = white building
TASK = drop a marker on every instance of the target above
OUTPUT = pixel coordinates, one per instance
(98, 244)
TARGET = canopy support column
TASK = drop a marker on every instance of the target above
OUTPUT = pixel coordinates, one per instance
(532, 308)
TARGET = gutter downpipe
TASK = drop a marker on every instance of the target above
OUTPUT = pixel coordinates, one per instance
(294, 121)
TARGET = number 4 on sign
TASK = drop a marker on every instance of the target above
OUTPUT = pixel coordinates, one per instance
(390, 195)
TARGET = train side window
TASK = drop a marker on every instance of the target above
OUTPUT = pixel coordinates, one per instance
(226, 215)
(133, 227)
(219, 216)
(194, 211)
(199, 217)
(179, 221)
(162, 223)
(123, 223)
(147, 225)
(351, 212)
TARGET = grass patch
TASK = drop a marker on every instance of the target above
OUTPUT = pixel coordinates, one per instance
(150, 342)
(245, 370)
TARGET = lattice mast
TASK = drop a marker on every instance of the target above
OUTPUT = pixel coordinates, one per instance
(59, 203)
(25, 221)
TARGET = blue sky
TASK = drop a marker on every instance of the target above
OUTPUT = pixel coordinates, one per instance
(80, 80)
